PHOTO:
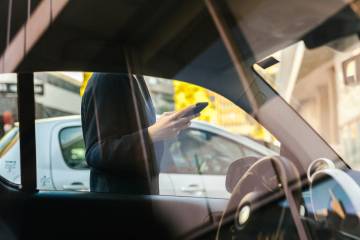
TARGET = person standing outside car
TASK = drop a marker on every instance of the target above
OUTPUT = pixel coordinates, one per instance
(123, 138)
(8, 121)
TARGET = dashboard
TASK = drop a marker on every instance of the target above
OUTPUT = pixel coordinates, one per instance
(327, 207)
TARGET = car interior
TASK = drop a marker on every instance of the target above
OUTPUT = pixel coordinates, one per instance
(199, 42)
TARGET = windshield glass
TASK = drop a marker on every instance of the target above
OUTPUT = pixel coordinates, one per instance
(323, 86)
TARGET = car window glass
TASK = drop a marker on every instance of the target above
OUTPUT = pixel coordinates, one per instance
(9, 129)
(61, 163)
(202, 152)
(323, 89)
(73, 148)
(222, 134)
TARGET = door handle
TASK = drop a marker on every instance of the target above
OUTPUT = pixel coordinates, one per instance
(75, 186)
(193, 188)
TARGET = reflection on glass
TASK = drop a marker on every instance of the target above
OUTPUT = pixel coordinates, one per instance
(195, 163)
(322, 85)
(9, 129)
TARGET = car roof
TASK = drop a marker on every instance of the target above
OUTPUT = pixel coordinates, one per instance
(76, 41)
(59, 119)
(178, 40)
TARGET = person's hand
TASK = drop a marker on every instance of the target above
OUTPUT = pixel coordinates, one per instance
(170, 124)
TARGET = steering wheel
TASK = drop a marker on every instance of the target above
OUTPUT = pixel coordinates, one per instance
(267, 175)
(334, 196)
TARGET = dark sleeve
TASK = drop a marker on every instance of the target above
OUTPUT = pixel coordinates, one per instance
(118, 145)
(122, 154)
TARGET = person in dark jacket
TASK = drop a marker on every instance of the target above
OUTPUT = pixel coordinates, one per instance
(123, 139)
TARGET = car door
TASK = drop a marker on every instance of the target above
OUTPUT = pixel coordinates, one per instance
(68, 165)
(201, 159)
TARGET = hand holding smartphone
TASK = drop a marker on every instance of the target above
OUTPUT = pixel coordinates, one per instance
(169, 125)
(196, 109)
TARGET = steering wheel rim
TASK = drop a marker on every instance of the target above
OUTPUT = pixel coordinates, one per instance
(241, 196)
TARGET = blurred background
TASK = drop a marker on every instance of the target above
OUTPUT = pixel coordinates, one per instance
(59, 94)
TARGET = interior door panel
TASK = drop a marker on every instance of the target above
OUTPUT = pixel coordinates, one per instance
(70, 215)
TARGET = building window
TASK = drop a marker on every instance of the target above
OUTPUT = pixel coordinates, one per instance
(351, 71)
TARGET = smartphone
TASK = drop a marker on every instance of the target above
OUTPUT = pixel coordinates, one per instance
(197, 109)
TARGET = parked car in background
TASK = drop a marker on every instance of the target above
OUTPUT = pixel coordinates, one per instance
(192, 166)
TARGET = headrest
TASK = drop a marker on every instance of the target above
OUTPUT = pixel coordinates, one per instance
(236, 170)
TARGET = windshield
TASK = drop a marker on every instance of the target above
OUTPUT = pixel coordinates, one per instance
(323, 86)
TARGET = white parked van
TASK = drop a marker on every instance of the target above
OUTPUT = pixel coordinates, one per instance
(61, 158)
